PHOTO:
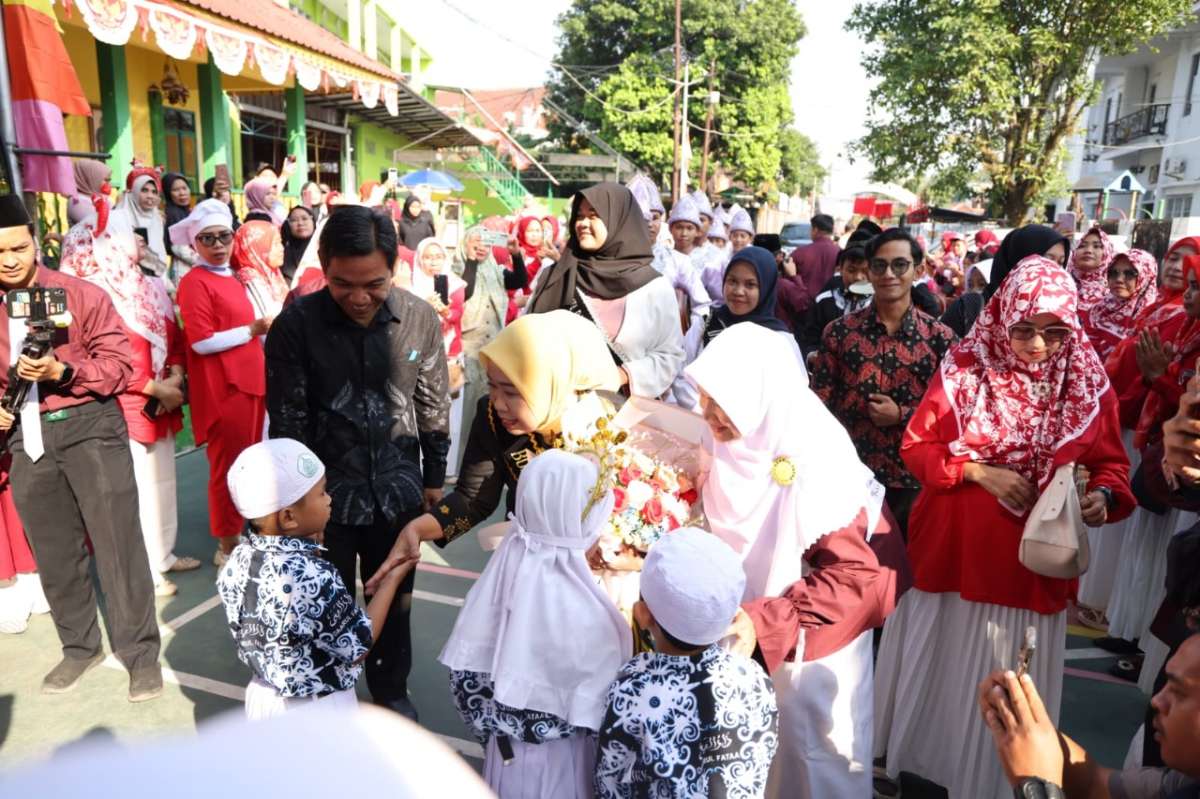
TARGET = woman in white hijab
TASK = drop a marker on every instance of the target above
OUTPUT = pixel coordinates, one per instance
(538, 643)
(786, 490)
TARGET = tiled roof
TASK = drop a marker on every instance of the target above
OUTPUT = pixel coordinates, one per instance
(285, 24)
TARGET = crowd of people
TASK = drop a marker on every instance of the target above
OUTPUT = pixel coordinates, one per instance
(889, 434)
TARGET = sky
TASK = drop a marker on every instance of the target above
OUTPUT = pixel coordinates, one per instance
(483, 44)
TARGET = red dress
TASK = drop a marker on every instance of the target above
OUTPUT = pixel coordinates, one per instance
(132, 400)
(227, 390)
(960, 539)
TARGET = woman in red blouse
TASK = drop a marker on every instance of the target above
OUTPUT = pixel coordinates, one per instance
(1022, 394)
(107, 255)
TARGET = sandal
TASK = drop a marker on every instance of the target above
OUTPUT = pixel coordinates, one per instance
(1092, 618)
(184, 564)
(1127, 669)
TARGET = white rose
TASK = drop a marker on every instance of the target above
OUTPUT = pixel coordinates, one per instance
(638, 493)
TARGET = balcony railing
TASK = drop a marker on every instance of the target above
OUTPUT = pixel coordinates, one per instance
(1149, 120)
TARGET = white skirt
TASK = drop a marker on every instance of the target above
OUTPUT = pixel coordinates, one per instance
(1140, 584)
(563, 769)
(154, 473)
(936, 650)
(264, 702)
(825, 713)
(1096, 585)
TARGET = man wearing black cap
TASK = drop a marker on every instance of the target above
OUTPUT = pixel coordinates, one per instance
(809, 269)
(72, 473)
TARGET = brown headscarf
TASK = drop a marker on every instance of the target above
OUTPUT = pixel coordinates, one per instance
(618, 268)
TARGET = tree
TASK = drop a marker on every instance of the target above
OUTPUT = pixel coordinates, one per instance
(615, 65)
(997, 85)
(800, 167)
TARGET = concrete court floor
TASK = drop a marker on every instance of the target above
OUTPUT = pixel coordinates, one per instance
(204, 677)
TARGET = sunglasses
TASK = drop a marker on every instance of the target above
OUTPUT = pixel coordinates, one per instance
(1052, 335)
(879, 266)
(212, 239)
(1122, 274)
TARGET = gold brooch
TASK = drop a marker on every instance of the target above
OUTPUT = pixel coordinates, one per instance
(783, 471)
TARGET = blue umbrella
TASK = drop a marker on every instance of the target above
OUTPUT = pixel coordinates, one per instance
(432, 178)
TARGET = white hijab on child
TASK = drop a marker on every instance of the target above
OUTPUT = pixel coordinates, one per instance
(536, 621)
(754, 376)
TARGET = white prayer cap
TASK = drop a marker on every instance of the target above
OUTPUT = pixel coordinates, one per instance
(271, 475)
(684, 211)
(717, 230)
(646, 193)
(206, 214)
(702, 203)
(741, 221)
(693, 582)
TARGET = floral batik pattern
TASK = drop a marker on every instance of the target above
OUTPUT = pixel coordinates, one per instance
(295, 624)
(688, 727)
(475, 700)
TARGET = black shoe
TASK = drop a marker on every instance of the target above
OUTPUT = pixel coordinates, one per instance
(145, 683)
(67, 674)
(403, 706)
(1118, 646)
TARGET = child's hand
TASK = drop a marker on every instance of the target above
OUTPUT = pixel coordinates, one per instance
(743, 630)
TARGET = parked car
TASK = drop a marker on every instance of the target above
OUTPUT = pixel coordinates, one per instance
(795, 234)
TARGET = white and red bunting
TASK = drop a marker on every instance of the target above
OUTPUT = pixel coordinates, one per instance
(177, 34)
(174, 33)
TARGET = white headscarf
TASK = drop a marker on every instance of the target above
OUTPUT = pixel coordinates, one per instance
(206, 214)
(422, 283)
(151, 220)
(753, 375)
(536, 621)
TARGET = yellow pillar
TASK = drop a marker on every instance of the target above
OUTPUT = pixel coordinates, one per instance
(354, 19)
(371, 30)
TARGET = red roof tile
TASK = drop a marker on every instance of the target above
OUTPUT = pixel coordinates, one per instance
(285, 24)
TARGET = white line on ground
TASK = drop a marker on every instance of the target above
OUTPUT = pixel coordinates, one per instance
(1088, 653)
(238, 694)
(443, 599)
(173, 625)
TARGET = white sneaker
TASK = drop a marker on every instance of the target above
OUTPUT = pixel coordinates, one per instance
(220, 558)
(165, 588)
(32, 584)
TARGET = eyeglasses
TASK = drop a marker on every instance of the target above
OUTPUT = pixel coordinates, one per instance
(1052, 335)
(1122, 274)
(212, 239)
(899, 266)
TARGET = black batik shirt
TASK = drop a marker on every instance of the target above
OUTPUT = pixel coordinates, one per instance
(295, 624)
(372, 402)
(697, 727)
(474, 698)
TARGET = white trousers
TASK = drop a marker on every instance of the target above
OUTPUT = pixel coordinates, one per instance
(825, 725)
(264, 702)
(562, 769)
(154, 472)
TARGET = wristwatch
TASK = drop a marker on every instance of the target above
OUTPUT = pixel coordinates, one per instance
(68, 374)
(1108, 496)
(1037, 788)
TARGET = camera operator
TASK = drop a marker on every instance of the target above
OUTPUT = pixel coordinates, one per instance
(72, 471)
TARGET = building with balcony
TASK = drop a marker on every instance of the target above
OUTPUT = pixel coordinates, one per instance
(1137, 154)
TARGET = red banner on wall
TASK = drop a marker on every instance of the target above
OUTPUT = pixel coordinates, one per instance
(864, 206)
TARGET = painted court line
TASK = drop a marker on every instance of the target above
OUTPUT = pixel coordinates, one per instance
(1088, 653)
(452, 572)
(442, 599)
(173, 625)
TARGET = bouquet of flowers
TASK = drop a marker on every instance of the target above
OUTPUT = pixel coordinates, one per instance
(652, 498)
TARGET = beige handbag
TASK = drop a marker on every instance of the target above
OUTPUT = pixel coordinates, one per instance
(1055, 541)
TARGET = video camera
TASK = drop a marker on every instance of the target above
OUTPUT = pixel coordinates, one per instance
(45, 312)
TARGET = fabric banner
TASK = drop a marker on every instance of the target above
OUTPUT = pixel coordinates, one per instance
(174, 33)
(368, 92)
(273, 63)
(110, 21)
(864, 206)
(228, 50)
(44, 87)
(391, 99)
(307, 75)
(883, 210)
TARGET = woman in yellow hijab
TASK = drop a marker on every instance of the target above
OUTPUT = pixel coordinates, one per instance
(543, 371)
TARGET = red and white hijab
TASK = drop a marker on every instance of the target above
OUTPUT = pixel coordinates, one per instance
(1093, 285)
(1112, 319)
(1015, 414)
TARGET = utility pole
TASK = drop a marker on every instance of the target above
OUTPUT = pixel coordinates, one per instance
(708, 123)
(685, 135)
(675, 188)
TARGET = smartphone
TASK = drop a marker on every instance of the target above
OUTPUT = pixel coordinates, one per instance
(1025, 654)
(393, 176)
(494, 238)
